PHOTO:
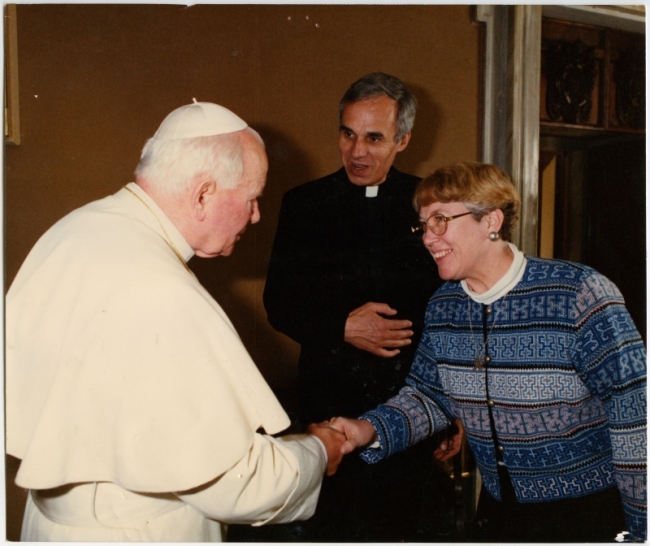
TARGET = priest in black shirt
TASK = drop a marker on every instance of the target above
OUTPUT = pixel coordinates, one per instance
(349, 281)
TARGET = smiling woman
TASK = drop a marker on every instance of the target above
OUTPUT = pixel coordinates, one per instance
(541, 362)
(474, 251)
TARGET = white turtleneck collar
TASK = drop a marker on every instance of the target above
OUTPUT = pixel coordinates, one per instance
(504, 284)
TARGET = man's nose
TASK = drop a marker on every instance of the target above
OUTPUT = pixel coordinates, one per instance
(359, 148)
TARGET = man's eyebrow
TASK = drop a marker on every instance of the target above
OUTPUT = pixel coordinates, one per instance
(371, 134)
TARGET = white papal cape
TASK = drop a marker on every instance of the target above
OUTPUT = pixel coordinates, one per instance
(125, 378)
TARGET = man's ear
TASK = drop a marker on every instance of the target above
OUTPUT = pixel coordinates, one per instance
(202, 193)
(404, 142)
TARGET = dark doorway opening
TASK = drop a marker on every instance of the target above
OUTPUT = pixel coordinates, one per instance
(599, 209)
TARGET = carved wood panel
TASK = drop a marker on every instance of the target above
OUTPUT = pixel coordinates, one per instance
(592, 79)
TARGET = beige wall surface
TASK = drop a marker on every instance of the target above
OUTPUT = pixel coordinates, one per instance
(96, 80)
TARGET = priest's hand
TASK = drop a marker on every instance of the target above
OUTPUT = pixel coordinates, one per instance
(359, 432)
(368, 330)
(333, 440)
(452, 444)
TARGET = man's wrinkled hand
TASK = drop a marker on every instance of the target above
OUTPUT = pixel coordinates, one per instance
(369, 331)
(452, 444)
(333, 440)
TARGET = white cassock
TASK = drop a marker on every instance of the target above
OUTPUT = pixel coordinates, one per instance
(131, 400)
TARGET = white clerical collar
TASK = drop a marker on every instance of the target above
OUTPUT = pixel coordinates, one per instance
(158, 219)
(504, 284)
(372, 191)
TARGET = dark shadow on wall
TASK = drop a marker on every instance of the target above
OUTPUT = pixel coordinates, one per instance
(225, 277)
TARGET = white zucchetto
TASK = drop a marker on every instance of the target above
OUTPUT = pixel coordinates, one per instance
(199, 119)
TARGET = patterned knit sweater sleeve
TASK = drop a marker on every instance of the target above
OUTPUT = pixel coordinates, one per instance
(419, 410)
(610, 358)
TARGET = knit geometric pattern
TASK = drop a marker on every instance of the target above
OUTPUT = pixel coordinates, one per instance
(566, 383)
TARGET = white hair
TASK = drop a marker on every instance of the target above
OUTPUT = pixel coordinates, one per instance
(171, 166)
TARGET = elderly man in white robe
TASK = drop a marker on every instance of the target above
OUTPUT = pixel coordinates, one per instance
(135, 409)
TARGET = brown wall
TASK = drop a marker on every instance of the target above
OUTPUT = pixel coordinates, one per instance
(96, 80)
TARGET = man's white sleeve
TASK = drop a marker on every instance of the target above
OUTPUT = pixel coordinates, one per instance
(277, 481)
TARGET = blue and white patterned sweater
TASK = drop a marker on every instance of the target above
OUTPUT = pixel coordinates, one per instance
(566, 386)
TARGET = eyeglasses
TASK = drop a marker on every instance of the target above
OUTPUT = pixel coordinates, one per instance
(437, 223)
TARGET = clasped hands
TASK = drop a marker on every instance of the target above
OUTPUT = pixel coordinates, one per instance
(368, 329)
(342, 435)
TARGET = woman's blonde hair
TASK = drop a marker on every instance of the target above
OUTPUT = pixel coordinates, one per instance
(482, 188)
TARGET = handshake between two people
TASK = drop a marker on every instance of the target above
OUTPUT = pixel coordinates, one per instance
(342, 435)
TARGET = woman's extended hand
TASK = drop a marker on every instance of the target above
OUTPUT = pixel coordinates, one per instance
(334, 442)
(359, 432)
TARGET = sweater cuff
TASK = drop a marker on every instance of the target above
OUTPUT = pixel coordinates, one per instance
(375, 452)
